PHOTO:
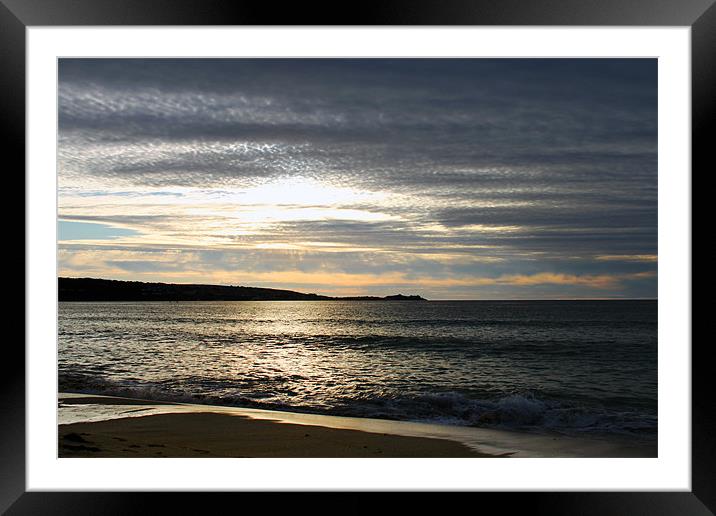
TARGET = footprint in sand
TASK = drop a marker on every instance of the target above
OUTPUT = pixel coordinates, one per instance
(75, 438)
(81, 447)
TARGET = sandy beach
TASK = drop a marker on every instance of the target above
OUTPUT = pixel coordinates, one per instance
(106, 426)
(211, 434)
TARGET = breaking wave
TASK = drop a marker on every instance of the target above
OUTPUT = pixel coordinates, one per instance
(519, 411)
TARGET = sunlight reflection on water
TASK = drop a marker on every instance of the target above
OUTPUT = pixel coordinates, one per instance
(588, 366)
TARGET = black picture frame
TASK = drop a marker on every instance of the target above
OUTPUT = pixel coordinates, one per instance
(17, 15)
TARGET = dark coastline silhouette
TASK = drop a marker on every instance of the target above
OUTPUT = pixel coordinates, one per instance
(92, 289)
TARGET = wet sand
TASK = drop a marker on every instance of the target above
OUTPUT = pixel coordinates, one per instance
(230, 435)
(106, 426)
(222, 435)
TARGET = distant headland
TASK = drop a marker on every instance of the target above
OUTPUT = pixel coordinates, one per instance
(92, 289)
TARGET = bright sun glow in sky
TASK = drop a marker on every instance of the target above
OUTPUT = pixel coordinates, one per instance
(452, 179)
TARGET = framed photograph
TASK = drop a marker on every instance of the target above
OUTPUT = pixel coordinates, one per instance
(315, 254)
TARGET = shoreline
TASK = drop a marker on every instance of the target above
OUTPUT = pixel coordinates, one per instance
(92, 425)
(125, 427)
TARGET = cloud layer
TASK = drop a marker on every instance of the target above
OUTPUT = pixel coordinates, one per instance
(453, 178)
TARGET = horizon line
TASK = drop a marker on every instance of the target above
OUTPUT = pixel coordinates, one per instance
(375, 295)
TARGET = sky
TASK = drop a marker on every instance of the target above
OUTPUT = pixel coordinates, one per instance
(447, 178)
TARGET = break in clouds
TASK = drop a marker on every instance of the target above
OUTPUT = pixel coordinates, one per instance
(449, 178)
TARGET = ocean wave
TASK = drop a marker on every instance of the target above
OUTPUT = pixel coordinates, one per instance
(442, 343)
(512, 411)
(516, 411)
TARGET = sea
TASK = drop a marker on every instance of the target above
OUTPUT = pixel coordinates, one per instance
(580, 368)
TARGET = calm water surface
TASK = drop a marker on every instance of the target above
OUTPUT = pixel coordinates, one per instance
(575, 367)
